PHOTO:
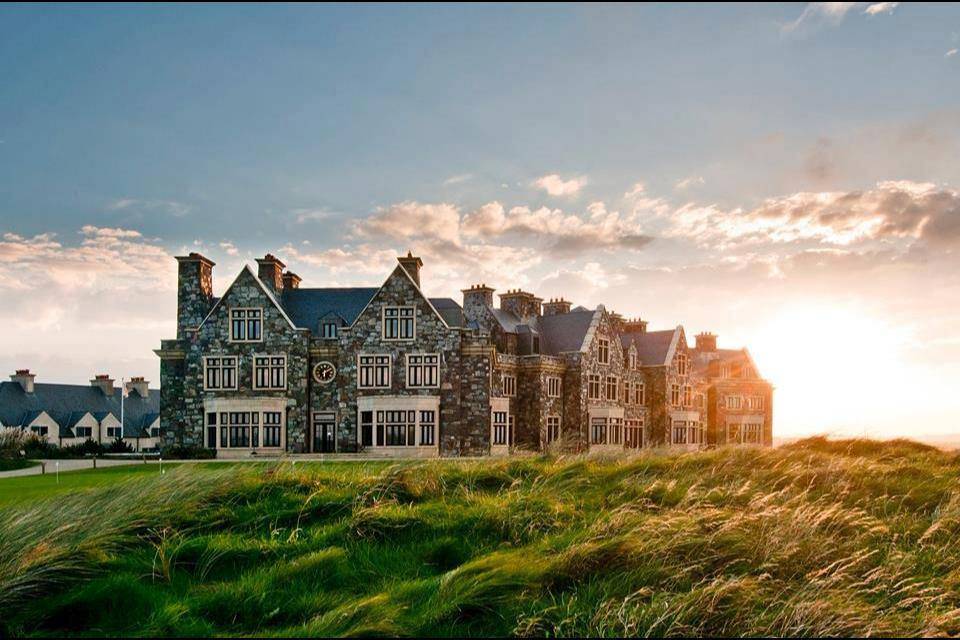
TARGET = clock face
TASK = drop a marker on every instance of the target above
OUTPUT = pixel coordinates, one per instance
(324, 372)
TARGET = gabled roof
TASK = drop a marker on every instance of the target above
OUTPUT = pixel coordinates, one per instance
(307, 306)
(399, 268)
(63, 403)
(450, 310)
(266, 290)
(702, 359)
(653, 347)
(564, 331)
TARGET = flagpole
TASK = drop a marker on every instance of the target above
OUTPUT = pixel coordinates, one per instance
(123, 393)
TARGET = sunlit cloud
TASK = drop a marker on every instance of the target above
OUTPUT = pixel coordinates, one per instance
(878, 8)
(170, 207)
(554, 185)
(686, 183)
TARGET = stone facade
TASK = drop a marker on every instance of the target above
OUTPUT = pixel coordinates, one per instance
(388, 370)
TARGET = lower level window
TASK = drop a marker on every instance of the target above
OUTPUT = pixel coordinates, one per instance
(616, 430)
(679, 432)
(752, 433)
(396, 428)
(40, 431)
(553, 429)
(113, 432)
(428, 427)
(598, 431)
(84, 432)
(501, 426)
(271, 428)
(633, 434)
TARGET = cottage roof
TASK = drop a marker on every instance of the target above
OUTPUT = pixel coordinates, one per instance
(66, 404)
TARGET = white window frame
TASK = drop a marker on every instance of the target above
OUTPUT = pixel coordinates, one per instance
(246, 323)
(500, 426)
(594, 379)
(333, 334)
(640, 393)
(615, 385)
(269, 366)
(631, 425)
(598, 430)
(675, 395)
(400, 317)
(114, 432)
(379, 360)
(554, 386)
(687, 395)
(423, 365)
(87, 434)
(682, 364)
(603, 350)
(509, 386)
(733, 402)
(679, 427)
(221, 368)
(632, 359)
(553, 426)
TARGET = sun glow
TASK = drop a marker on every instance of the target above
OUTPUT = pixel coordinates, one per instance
(833, 369)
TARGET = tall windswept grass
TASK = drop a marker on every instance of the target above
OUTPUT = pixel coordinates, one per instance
(850, 538)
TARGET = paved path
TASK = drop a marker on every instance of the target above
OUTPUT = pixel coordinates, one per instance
(87, 463)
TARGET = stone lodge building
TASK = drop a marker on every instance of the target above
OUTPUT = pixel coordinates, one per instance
(271, 367)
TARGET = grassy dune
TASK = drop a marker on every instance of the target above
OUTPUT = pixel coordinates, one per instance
(817, 538)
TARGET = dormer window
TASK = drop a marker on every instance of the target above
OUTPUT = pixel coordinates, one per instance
(246, 325)
(632, 358)
(399, 323)
(328, 330)
(536, 344)
(603, 351)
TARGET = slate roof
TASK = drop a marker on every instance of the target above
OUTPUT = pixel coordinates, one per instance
(652, 346)
(564, 331)
(307, 306)
(449, 310)
(63, 403)
(702, 359)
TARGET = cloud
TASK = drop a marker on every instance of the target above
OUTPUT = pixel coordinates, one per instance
(554, 185)
(170, 207)
(413, 219)
(820, 13)
(100, 300)
(686, 183)
(878, 8)
(229, 248)
(463, 177)
(894, 211)
(951, 53)
(303, 216)
(549, 229)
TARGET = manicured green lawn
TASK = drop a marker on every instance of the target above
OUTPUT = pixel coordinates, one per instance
(20, 489)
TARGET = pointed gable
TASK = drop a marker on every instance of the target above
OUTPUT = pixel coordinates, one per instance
(398, 289)
(247, 281)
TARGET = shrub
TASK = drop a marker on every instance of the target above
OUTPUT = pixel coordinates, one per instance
(118, 446)
(181, 452)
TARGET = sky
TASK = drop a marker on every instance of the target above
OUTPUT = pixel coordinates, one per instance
(786, 176)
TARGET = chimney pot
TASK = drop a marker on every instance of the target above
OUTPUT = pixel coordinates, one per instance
(270, 271)
(412, 265)
(24, 378)
(140, 385)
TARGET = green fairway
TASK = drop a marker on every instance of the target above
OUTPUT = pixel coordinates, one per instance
(20, 489)
(853, 538)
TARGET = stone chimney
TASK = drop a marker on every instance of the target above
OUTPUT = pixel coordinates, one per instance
(706, 341)
(25, 379)
(291, 280)
(556, 306)
(633, 326)
(521, 304)
(194, 292)
(139, 385)
(104, 382)
(270, 272)
(617, 321)
(412, 264)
